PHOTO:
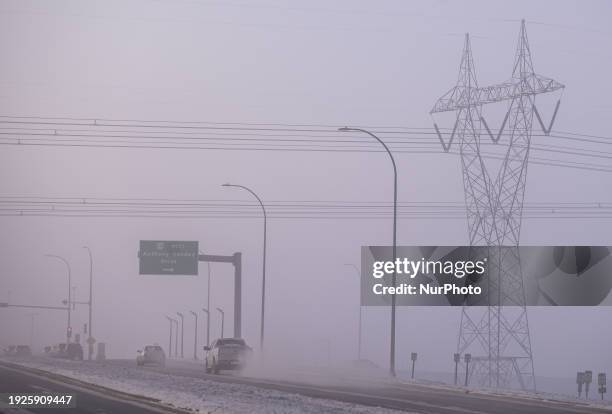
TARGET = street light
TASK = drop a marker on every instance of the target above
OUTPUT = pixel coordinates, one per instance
(195, 340)
(170, 340)
(207, 326)
(68, 330)
(89, 330)
(263, 278)
(393, 276)
(359, 323)
(182, 331)
(207, 306)
(175, 339)
(222, 320)
(32, 315)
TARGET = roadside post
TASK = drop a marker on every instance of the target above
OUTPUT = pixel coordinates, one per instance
(580, 381)
(413, 358)
(467, 358)
(456, 358)
(588, 378)
(601, 381)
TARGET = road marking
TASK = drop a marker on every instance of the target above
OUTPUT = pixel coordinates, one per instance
(102, 394)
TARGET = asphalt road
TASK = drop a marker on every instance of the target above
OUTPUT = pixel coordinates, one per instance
(378, 393)
(408, 397)
(87, 401)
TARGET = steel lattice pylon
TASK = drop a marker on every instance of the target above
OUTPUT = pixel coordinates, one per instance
(498, 334)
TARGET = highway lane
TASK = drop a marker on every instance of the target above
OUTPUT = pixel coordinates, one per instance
(392, 394)
(88, 401)
(377, 392)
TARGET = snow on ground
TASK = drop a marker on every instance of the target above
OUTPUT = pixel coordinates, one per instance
(545, 396)
(528, 395)
(201, 395)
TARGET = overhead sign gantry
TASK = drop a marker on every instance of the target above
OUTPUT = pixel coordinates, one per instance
(162, 257)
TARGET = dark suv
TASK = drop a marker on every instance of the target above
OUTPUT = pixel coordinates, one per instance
(74, 351)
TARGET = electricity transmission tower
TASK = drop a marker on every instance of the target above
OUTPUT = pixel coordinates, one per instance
(497, 334)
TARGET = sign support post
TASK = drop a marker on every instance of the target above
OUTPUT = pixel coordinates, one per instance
(236, 260)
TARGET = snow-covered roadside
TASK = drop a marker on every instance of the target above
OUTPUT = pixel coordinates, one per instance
(200, 395)
(527, 395)
(544, 396)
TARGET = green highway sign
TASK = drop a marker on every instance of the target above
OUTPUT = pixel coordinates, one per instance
(167, 257)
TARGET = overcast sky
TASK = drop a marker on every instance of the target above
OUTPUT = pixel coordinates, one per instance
(380, 63)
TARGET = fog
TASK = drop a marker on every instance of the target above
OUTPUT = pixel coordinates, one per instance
(344, 63)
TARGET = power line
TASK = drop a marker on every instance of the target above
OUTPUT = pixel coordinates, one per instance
(299, 127)
(226, 136)
(534, 160)
(279, 209)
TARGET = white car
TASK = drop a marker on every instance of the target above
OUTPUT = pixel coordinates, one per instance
(227, 354)
(151, 354)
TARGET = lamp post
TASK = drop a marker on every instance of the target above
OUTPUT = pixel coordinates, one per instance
(263, 278)
(359, 323)
(68, 329)
(170, 339)
(175, 339)
(222, 320)
(393, 276)
(207, 326)
(89, 330)
(182, 331)
(32, 315)
(207, 306)
(195, 340)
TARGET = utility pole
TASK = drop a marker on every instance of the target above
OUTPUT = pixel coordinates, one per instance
(90, 339)
(360, 308)
(393, 275)
(263, 278)
(195, 337)
(182, 331)
(68, 327)
(222, 320)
